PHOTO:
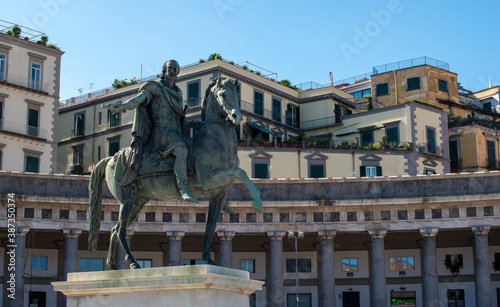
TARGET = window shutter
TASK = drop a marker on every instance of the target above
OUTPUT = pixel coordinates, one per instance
(298, 117)
(379, 170)
(337, 113)
(362, 171)
(317, 171)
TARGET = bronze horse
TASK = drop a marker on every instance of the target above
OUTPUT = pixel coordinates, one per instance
(216, 163)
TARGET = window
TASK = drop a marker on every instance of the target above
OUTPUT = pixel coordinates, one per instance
(442, 85)
(32, 164)
(496, 259)
(454, 259)
(98, 153)
(413, 84)
(456, 297)
(29, 213)
(3, 66)
(252, 300)
(113, 119)
(32, 122)
(78, 155)
(113, 147)
(350, 299)
(251, 218)
(193, 94)
(366, 138)
(349, 264)
(247, 265)
(91, 264)
(37, 299)
(39, 263)
(145, 263)
(1, 114)
(317, 171)
(81, 215)
(114, 216)
(79, 124)
(362, 93)
(261, 170)
(277, 110)
(382, 89)
(167, 217)
(184, 217)
(258, 103)
(366, 92)
(304, 300)
(36, 76)
(492, 157)
(429, 172)
(268, 217)
(193, 262)
(370, 171)
(292, 116)
(392, 135)
(99, 118)
(1, 157)
(234, 218)
(401, 263)
(304, 265)
(63, 214)
(431, 140)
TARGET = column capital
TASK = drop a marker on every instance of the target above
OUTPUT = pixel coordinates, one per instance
(377, 233)
(226, 235)
(481, 229)
(175, 235)
(22, 231)
(72, 232)
(429, 231)
(327, 234)
(276, 235)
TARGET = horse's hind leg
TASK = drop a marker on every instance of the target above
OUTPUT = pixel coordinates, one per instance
(126, 208)
(110, 262)
(214, 209)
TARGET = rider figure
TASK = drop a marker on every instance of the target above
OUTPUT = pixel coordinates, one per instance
(157, 129)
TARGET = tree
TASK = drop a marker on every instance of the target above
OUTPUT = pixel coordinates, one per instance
(369, 105)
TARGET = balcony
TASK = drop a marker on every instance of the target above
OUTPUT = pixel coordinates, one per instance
(250, 107)
(430, 149)
(455, 164)
(24, 83)
(23, 129)
(77, 169)
(411, 63)
(80, 131)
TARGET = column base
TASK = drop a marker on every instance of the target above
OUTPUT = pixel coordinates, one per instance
(196, 285)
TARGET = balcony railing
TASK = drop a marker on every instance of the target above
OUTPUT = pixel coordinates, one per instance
(77, 169)
(23, 129)
(456, 164)
(250, 107)
(410, 63)
(78, 132)
(25, 82)
(430, 149)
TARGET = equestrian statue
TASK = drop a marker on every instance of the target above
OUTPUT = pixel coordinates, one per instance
(161, 164)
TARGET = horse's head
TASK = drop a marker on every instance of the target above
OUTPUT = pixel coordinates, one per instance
(222, 101)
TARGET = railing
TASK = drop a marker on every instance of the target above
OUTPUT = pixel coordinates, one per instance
(318, 123)
(32, 35)
(78, 132)
(193, 102)
(77, 169)
(23, 129)
(410, 63)
(26, 83)
(430, 149)
(250, 107)
(339, 83)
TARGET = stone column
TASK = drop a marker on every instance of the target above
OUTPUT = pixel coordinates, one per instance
(327, 272)
(277, 291)
(226, 248)
(70, 253)
(429, 267)
(19, 248)
(175, 248)
(483, 276)
(378, 286)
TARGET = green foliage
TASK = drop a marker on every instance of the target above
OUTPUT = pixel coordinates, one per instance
(231, 62)
(384, 137)
(53, 46)
(247, 129)
(9, 32)
(369, 105)
(244, 67)
(285, 82)
(16, 31)
(123, 83)
(329, 135)
(257, 72)
(202, 60)
(453, 265)
(455, 121)
(428, 104)
(43, 40)
(214, 56)
(302, 134)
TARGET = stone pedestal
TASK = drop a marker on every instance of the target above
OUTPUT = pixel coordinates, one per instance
(194, 285)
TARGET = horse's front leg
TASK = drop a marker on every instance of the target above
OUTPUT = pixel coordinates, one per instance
(214, 209)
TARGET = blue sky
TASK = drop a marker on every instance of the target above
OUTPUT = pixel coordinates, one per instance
(300, 41)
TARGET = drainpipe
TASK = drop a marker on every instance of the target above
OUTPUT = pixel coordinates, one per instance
(395, 86)
(298, 156)
(353, 167)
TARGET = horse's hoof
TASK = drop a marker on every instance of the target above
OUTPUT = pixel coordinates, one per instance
(112, 267)
(257, 204)
(134, 266)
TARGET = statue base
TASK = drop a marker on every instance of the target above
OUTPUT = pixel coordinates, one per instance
(195, 285)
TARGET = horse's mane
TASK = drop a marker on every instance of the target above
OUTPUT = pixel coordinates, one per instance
(207, 92)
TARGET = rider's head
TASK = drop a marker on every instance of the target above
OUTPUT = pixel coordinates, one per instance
(170, 70)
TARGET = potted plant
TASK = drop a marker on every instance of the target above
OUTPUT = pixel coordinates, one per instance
(214, 56)
(453, 264)
(242, 143)
(383, 139)
(16, 31)
(245, 67)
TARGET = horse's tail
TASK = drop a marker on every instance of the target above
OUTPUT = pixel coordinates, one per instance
(95, 198)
